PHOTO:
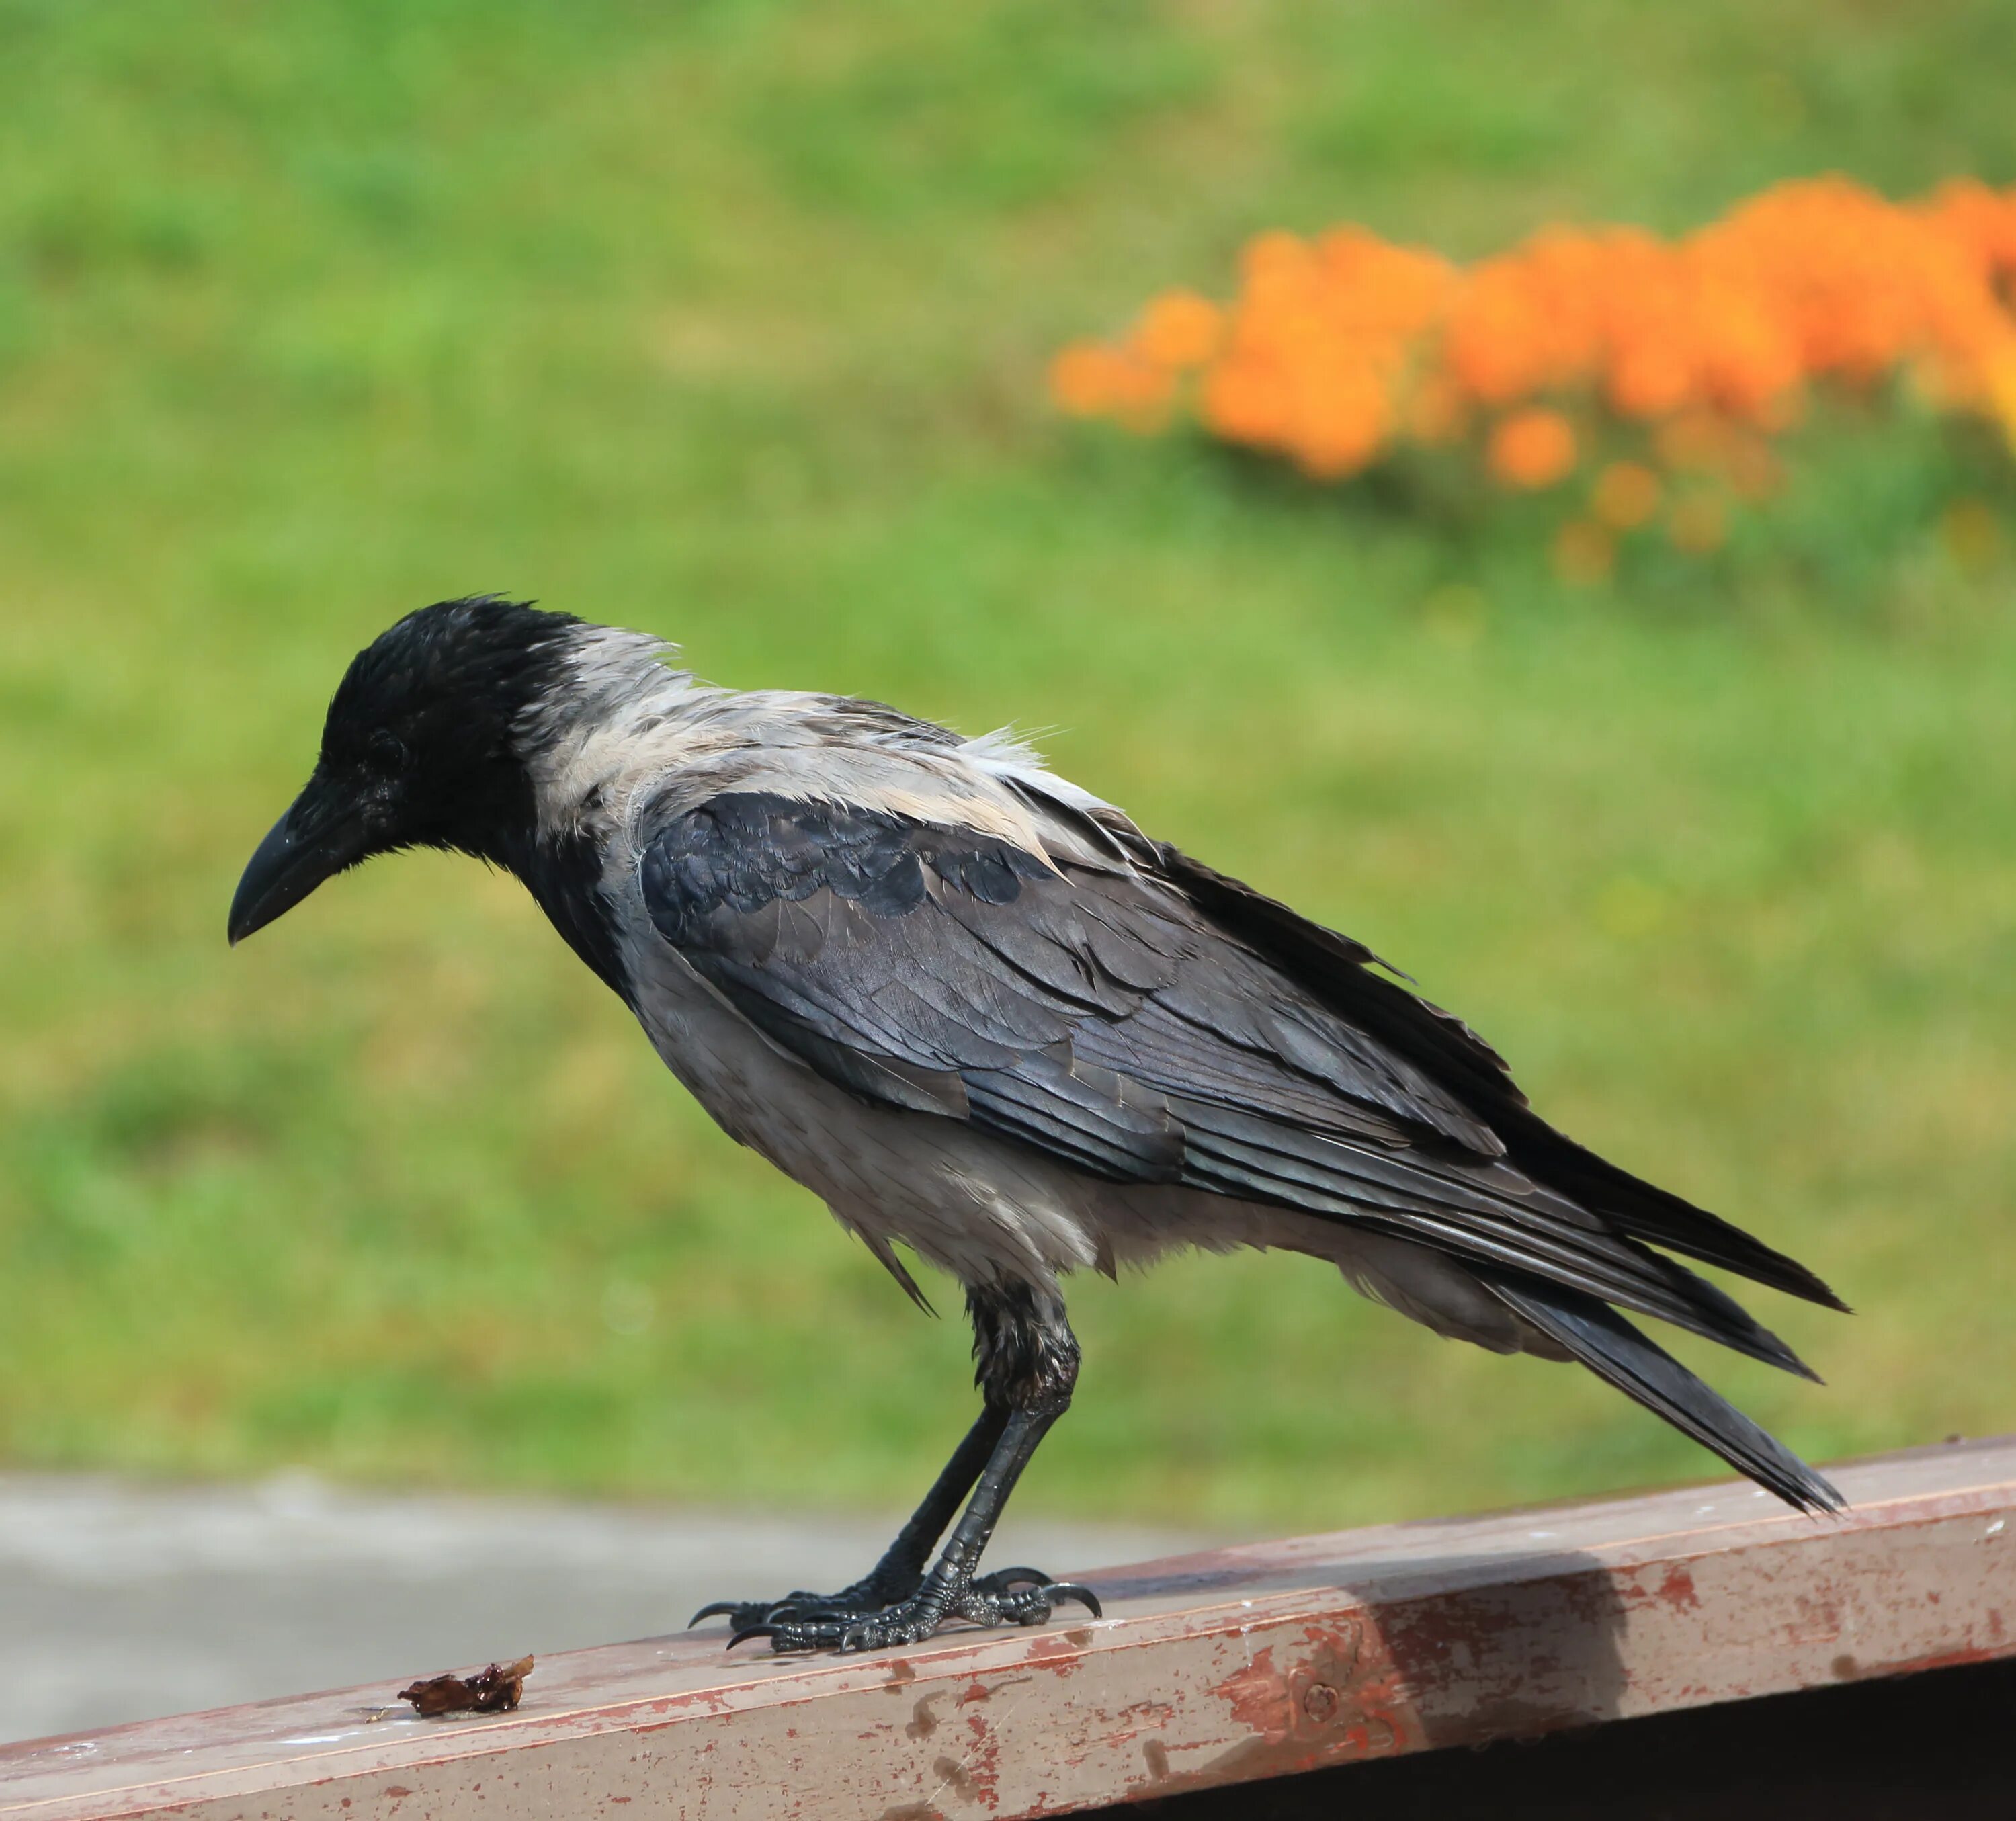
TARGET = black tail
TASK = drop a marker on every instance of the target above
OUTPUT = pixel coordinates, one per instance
(1611, 1347)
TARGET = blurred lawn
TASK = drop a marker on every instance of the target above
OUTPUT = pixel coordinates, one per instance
(729, 321)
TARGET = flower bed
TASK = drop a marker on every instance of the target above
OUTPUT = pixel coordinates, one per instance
(1647, 380)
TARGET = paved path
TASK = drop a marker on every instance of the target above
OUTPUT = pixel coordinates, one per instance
(119, 1601)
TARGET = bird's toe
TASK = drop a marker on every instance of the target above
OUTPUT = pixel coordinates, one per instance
(742, 1613)
(1003, 1579)
(1021, 1603)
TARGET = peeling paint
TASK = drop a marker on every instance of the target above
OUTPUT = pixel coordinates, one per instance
(1677, 1588)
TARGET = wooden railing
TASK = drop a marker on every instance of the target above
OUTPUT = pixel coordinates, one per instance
(1208, 1671)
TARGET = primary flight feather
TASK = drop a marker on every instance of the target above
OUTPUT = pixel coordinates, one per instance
(977, 1011)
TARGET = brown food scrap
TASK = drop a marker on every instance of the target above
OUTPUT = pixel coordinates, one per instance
(497, 1689)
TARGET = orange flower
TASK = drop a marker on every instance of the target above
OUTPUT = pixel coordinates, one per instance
(1979, 221)
(1245, 401)
(1178, 330)
(1626, 495)
(1088, 380)
(1082, 379)
(1495, 343)
(1650, 379)
(1340, 421)
(1531, 449)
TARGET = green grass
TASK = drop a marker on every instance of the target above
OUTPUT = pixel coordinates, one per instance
(729, 321)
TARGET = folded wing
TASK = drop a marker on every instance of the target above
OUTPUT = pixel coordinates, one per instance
(1101, 1015)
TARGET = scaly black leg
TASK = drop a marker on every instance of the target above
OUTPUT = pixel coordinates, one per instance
(900, 1571)
(1028, 1365)
(951, 1590)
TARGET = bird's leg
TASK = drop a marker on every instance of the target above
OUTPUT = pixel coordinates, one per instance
(900, 1571)
(1028, 1365)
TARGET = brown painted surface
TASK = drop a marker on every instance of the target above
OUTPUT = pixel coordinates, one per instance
(1208, 1671)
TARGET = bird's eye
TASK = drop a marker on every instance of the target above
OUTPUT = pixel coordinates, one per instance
(388, 752)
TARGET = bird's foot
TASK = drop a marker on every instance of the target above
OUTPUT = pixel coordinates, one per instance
(1023, 1596)
(871, 1593)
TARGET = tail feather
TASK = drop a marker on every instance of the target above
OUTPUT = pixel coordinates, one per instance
(1719, 1316)
(1616, 1351)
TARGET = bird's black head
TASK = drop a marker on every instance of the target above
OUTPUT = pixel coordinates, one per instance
(417, 751)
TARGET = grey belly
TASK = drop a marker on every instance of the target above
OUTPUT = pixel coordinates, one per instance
(970, 1204)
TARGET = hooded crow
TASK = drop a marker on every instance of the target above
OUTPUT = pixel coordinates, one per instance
(976, 1009)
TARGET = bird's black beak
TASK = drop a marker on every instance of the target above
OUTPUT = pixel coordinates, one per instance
(315, 840)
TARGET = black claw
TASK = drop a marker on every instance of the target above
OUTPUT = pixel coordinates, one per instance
(749, 1632)
(1058, 1590)
(1002, 1579)
(714, 1609)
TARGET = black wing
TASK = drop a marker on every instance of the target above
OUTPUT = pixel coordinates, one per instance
(1107, 1019)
